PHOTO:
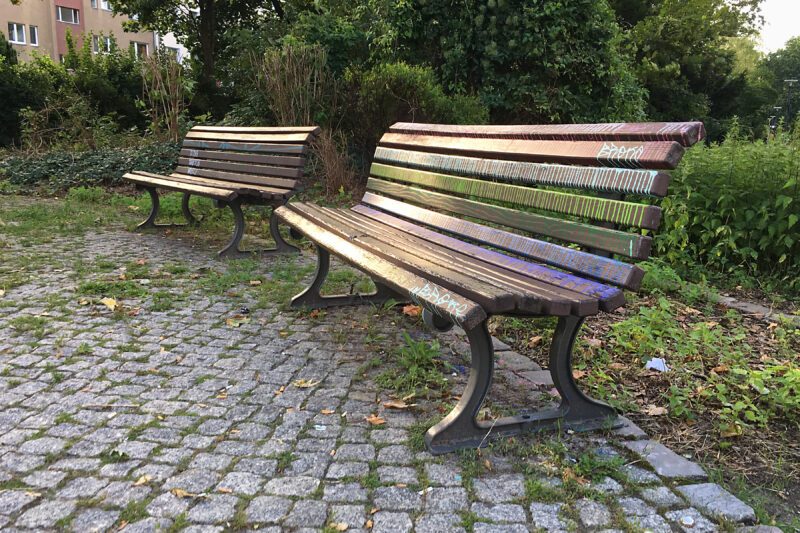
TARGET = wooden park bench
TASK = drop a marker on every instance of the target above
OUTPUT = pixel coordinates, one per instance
(448, 221)
(234, 166)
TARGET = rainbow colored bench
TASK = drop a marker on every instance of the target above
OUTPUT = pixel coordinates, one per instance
(474, 221)
(234, 166)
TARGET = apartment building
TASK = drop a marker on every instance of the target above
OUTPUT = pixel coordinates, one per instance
(40, 26)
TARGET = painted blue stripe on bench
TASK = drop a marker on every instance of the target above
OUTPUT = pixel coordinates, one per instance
(243, 146)
(554, 277)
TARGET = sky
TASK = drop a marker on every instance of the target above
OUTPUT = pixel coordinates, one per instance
(782, 23)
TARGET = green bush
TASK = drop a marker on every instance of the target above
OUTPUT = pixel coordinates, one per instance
(734, 208)
(58, 169)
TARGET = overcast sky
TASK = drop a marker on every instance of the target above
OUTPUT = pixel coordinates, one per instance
(782, 23)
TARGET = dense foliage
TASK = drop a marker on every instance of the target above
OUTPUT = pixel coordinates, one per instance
(734, 207)
(60, 170)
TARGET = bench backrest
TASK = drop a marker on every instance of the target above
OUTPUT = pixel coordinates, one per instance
(271, 157)
(556, 194)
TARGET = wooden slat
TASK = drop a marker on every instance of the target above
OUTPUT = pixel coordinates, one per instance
(218, 155)
(242, 168)
(287, 138)
(610, 297)
(581, 263)
(592, 207)
(684, 133)
(440, 300)
(266, 148)
(628, 154)
(241, 189)
(172, 185)
(604, 179)
(237, 178)
(258, 129)
(629, 244)
(531, 296)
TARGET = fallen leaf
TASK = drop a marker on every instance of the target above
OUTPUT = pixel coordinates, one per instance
(487, 464)
(125, 523)
(255, 282)
(374, 510)
(593, 342)
(304, 383)
(338, 526)
(140, 262)
(721, 369)
(398, 404)
(732, 430)
(132, 312)
(655, 410)
(368, 525)
(375, 420)
(534, 341)
(111, 303)
(133, 207)
(578, 374)
(2, 292)
(314, 313)
(237, 321)
(143, 480)
(412, 310)
(83, 301)
(201, 405)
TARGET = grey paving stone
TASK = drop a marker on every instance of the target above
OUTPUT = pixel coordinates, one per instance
(344, 492)
(447, 475)
(639, 475)
(168, 505)
(269, 509)
(388, 522)
(136, 449)
(349, 469)
(652, 522)
(397, 474)
(608, 485)
(629, 430)
(292, 486)
(352, 516)
(665, 462)
(192, 481)
(396, 454)
(500, 489)
(545, 515)
(216, 508)
(256, 465)
(81, 488)
(716, 501)
(661, 497)
(307, 513)
(397, 499)
(211, 461)
(94, 520)
(502, 512)
(149, 525)
(121, 493)
(389, 436)
(46, 514)
(635, 507)
(592, 514)
(355, 452)
(483, 527)
(12, 501)
(446, 500)
(45, 479)
(439, 523)
(691, 521)
(241, 483)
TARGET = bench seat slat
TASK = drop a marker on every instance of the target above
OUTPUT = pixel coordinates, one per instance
(581, 263)
(531, 294)
(258, 190)
(685, 133)
(218, 155)
(165, 182)
(237, 178)
(630, 154)
(629, 244)
(463, 311)
(595, 208)
(255, 147)
(241, 168)
(287, 138)
(610, 297)
(259, 129)
(492, 298)
(604, 179)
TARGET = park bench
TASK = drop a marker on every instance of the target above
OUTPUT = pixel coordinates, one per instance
(234, 166)
(448, 221)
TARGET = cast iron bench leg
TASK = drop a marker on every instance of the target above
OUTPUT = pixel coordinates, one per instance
(312, 298)
(150, 223)
(232, 249)
(460, 428)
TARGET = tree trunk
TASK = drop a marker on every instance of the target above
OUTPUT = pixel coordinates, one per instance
(207, 37)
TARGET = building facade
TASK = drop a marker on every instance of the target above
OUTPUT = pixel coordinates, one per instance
(40, 27)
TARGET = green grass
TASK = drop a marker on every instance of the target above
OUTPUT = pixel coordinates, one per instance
(33, 324)
(417, 371)
(113, 289)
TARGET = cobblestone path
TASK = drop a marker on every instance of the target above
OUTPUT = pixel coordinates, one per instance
(181, 411)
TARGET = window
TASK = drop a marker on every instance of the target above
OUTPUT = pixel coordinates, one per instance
(16, 33)
(94, 4)
(34, 36)
(140, 49)
(67, 14)
(104, 5)
(102, 44)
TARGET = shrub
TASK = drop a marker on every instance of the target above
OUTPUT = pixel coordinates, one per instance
(60, 170)
(735, 207)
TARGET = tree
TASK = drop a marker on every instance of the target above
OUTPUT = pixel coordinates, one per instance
(783, 65)
(8, 55)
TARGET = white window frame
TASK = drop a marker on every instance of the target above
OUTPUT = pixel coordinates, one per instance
(136, 46)
(104, 5)
(94, 4)
(14, 29)
(76, 15)
(106, 44)
(34, 31)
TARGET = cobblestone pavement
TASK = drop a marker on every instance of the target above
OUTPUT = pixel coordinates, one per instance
(182, 411)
